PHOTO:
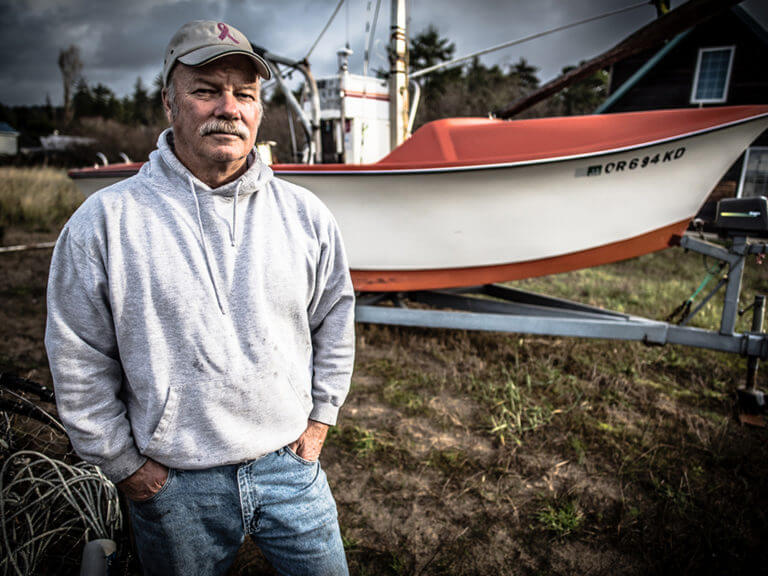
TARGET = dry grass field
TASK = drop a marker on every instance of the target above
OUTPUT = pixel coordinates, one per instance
(494, 454)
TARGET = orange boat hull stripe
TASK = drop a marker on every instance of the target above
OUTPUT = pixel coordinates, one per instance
(405, 280)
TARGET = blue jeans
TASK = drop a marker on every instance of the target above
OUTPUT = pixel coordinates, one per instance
(197, 521)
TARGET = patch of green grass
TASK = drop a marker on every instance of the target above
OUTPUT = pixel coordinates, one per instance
(399, 395)
(651, 285)
(578, 447)
(450, 460)
(361, 442)
(608, 427)
(562, 519)
(513, 411)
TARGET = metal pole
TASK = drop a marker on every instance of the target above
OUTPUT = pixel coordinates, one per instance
(398, 76)
(735, 273)
(343, 84)
(315, 99)
(296, 107)
(758, 318)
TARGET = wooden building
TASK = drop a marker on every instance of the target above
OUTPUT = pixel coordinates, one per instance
(720, 62)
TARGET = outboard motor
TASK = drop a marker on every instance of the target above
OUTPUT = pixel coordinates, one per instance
(743, 217)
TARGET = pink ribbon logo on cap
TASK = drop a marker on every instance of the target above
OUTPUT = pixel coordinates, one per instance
(224, 29)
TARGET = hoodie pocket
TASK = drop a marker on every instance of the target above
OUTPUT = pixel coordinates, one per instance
(303, 394)
(213, 422)
(165, 423)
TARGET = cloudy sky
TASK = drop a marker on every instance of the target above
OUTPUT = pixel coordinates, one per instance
(120, 41)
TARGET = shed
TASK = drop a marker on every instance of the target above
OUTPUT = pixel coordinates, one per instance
(719, 62)
(9, 140)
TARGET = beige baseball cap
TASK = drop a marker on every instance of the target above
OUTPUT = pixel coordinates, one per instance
(202, 41)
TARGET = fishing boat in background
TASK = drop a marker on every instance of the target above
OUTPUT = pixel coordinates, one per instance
(470, 201)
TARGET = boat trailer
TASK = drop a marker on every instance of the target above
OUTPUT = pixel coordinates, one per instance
(498, 308)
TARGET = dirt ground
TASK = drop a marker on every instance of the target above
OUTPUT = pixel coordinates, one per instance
(490, 454)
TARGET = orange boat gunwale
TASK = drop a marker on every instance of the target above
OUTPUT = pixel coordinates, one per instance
(441, 130)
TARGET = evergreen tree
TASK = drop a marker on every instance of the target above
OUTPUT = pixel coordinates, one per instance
(427, 49)
(105, 104)
(156, 100)
(141, 106)
(583, 96)
(525, 75)
(82, 101)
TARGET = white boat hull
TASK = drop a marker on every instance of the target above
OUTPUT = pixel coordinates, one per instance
(457, 218)
(435, 214)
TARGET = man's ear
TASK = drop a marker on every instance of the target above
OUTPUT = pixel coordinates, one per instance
(166, 106)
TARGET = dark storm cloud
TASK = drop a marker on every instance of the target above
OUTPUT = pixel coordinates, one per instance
(120, 41)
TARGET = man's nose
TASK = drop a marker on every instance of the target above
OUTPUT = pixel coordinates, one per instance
(227, 106)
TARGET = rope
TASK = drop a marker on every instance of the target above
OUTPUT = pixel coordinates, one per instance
(685, 308)
(335, 11)
(370, 29)
(24, 247)
(525, 39)
(42, 500)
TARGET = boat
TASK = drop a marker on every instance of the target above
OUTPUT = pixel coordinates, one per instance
(470, 201)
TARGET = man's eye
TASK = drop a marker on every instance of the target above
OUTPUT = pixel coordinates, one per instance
(245, 96)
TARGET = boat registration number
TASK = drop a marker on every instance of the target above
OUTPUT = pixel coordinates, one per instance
(637, 163)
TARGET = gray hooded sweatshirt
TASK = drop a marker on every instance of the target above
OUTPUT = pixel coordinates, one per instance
(196, 326)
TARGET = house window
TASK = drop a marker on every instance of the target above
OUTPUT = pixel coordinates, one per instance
(754, 173)
(713, 73)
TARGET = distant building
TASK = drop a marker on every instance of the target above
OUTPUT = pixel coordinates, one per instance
(719, 62)
(59, 142)
(9, 140)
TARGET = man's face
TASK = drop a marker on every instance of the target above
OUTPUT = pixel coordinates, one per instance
(216, 112)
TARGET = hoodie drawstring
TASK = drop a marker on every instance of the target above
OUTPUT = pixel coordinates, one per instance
(233, 232)
(205, 245)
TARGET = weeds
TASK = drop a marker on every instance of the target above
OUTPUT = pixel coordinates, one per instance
(514, 412)
(562, 519)
(656, 475)
(451, 460)
(361, 442)
(36, 199)
(399, 395)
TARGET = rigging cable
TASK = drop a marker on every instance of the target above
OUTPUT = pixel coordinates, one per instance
(370, 29)
(335, 11)
(525, 39)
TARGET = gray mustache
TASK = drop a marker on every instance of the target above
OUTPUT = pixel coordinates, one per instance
(222, 126)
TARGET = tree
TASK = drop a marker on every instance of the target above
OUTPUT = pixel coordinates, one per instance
(141, 111)
(82, 101)
(525, 74)
(105, 104)
(583, 96)
(427, 49)
(71, 67)
(156, 99)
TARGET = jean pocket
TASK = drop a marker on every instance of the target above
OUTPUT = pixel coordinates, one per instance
(299, 459)
(163, 489)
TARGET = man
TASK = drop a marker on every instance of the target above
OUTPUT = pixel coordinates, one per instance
(200, 331)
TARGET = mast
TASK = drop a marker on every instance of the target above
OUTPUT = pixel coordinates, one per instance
(398, 72)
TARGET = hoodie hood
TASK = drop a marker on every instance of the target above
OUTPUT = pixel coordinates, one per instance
(165, 166)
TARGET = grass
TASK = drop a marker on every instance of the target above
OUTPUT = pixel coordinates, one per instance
(482, 453)
(36, 199)
(561, 519)
(513, 412)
